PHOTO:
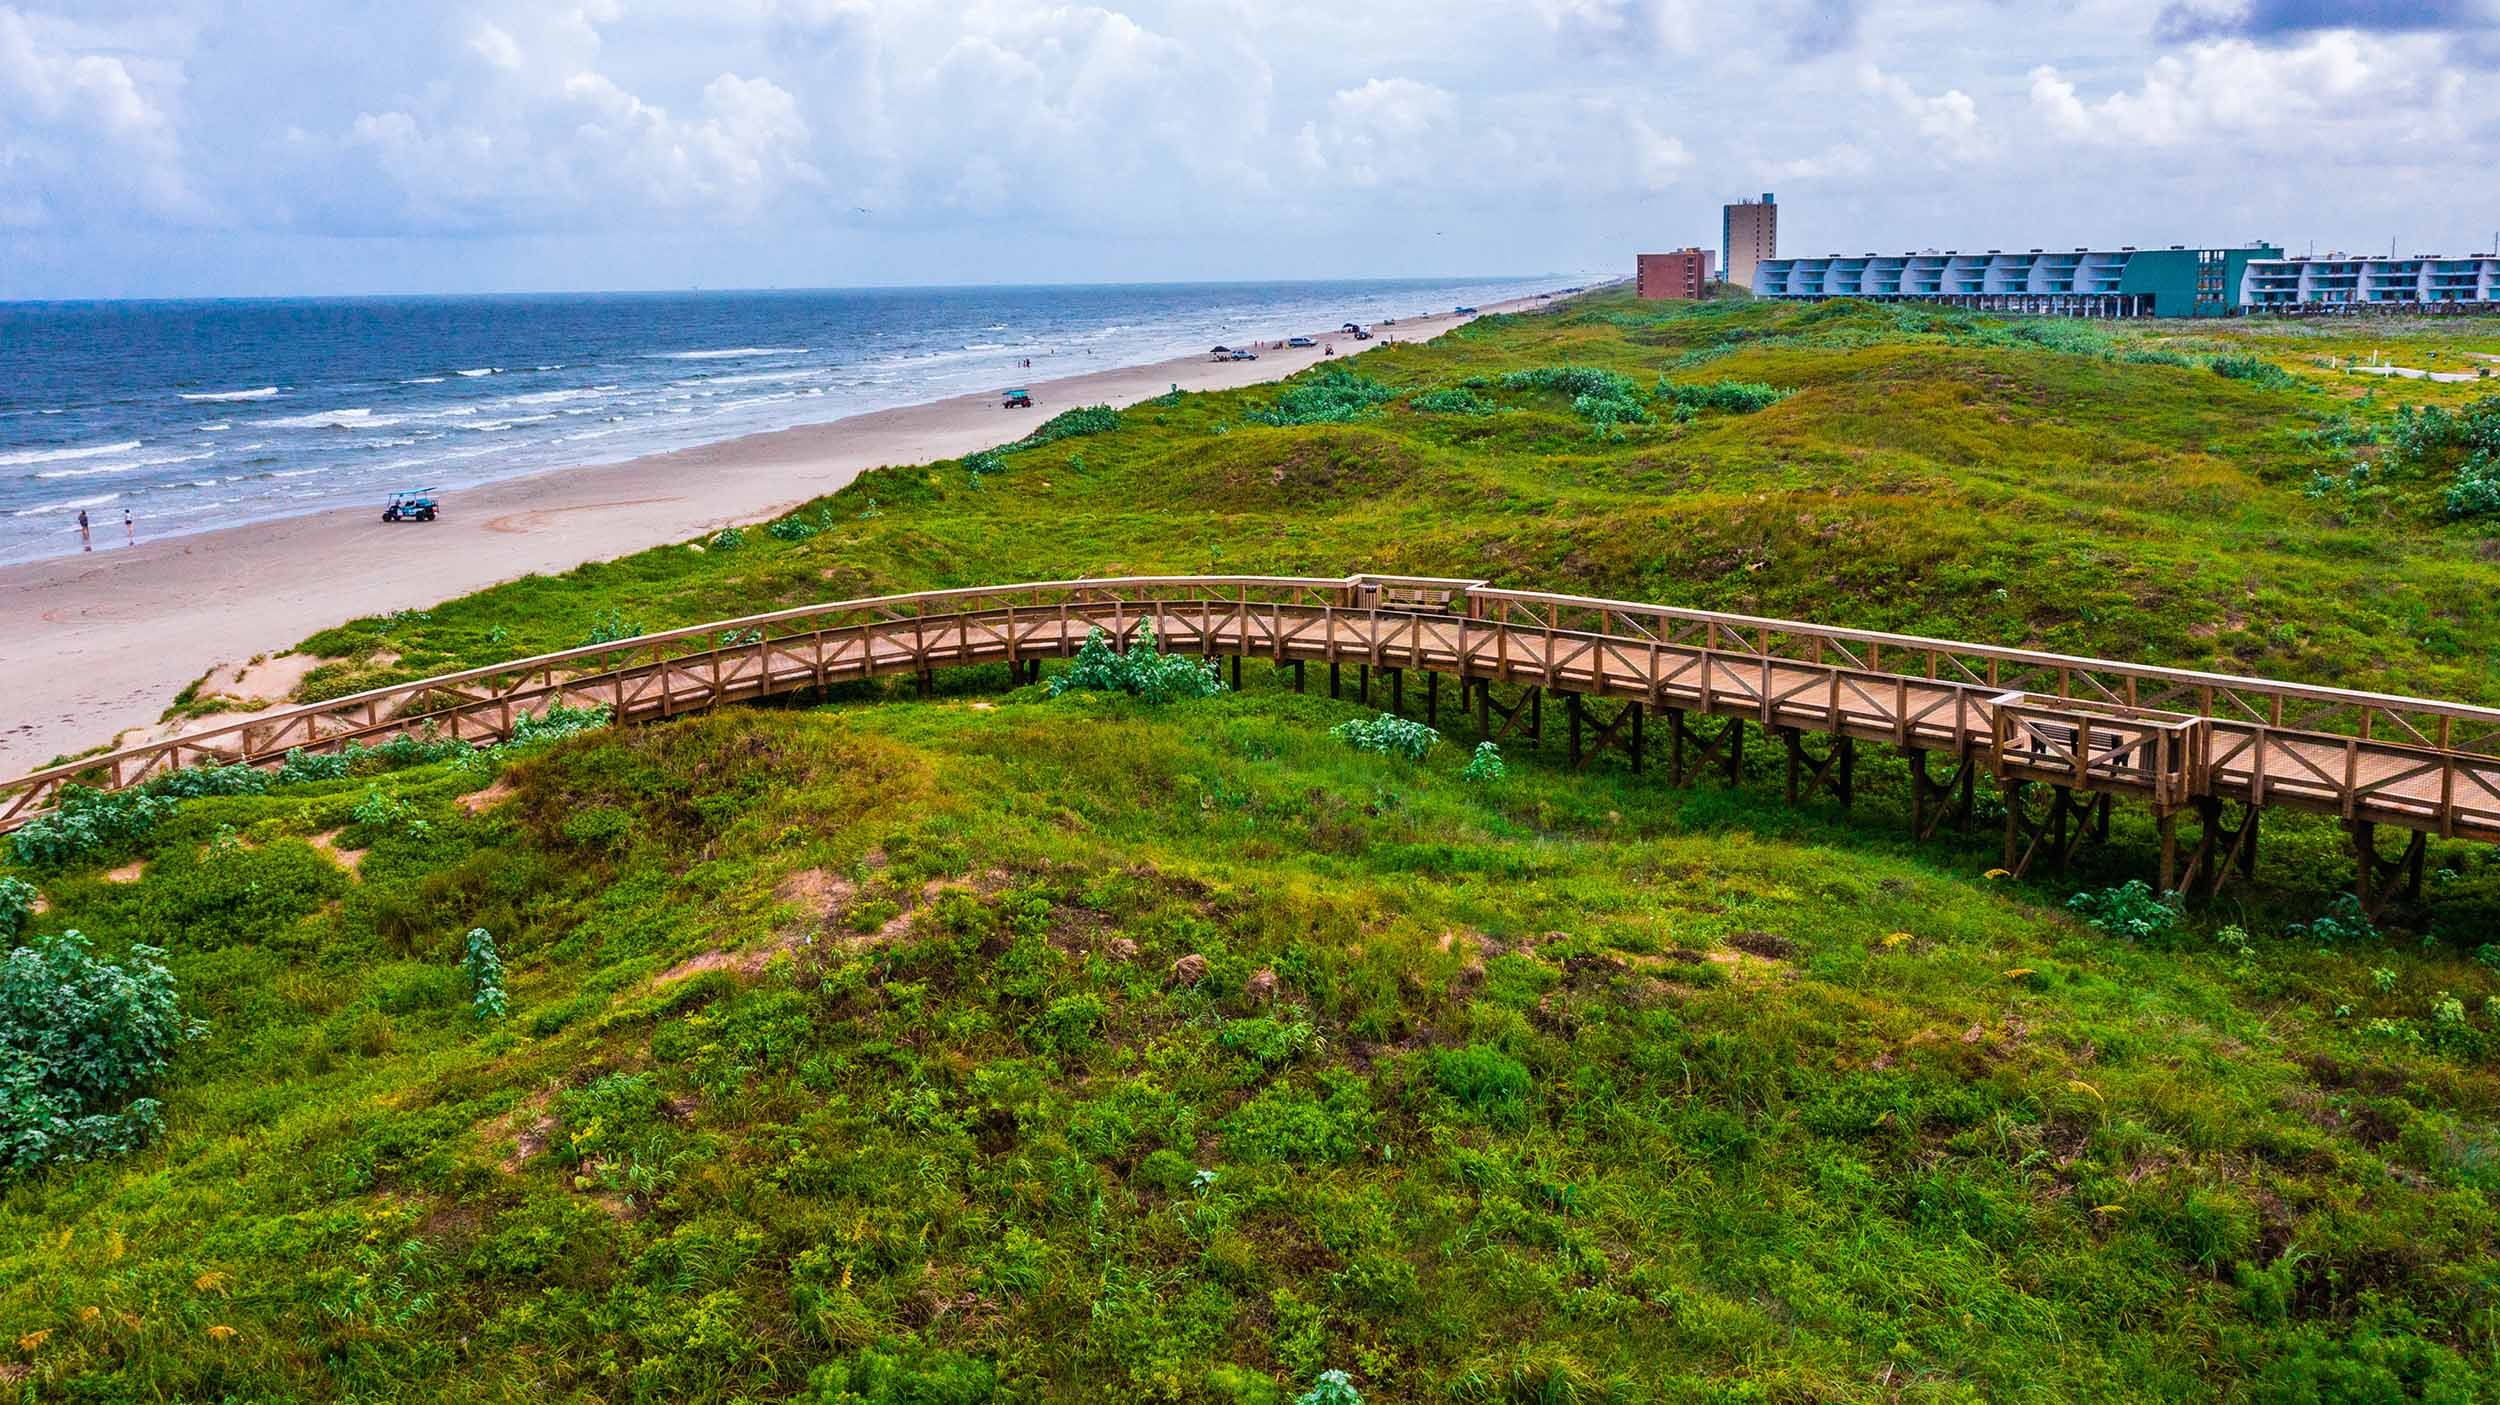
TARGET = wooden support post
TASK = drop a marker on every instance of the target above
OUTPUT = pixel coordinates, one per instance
(1536, 716)
(2168, 823)
(1432, 700)
(1835, 772)
(1397, 691)
(2379, 881)
(1363, 672)
(1236, 673)
(1571, 705)
(1637, 746)
(1334, 690)
(926, 679)
(1297, 675)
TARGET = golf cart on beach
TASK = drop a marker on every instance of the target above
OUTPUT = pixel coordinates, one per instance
(1017, 399)
(413, 505)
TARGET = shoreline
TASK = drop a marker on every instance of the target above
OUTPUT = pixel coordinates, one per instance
(104, 640)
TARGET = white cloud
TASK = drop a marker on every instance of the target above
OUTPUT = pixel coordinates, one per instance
(72, 119)
(1947, 124)
(2236, 88)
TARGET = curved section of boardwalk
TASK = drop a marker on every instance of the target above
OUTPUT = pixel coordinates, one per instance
(2174, 739)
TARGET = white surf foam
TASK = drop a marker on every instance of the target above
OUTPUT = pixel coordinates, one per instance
(90, 451)
(730, 352)
(266, 392)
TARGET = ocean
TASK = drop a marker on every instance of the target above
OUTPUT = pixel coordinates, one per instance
(193, 415)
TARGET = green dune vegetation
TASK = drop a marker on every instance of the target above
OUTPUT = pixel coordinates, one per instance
(1129, 1037)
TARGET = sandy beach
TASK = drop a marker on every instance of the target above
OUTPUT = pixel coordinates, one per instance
(100, 643)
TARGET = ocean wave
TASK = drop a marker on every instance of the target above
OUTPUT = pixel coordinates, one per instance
(130, 467)
(754, 378)
(730, 352)
(557, 397)
(359, 417)
(426, 380)
(266, 392)
(213, 426)
(72, 505)
(89, 451)
(480, 371)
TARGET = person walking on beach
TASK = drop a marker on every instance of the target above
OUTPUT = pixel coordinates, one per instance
(86, 538)
(130, 528)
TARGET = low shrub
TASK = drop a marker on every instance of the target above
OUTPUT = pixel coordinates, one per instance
(609, 627)
(87, 825)
(1487, 1082)
(2255, 370)
(1143, 672)
(1069, 424)
(1485, 766)
(1454, 400)
(1730, 397)
(1574, 381)
(2343, 921)
(2131, 910)
(484, 969)
(78, 1038)
(1334, 396)
(1389, 733)
(17, 905)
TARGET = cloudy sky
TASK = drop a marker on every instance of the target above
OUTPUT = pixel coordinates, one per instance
(274, 146)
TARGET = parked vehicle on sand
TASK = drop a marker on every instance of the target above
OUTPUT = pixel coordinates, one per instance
(1016, 399)
(413, 505)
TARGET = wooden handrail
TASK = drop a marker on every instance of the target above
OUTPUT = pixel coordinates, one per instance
(1902, 680)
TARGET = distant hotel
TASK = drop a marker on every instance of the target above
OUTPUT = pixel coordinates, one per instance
(1749, 233)
(1684, 274)
(2127, 282)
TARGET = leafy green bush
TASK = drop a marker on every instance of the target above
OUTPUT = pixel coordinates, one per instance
(17, 905)
(1068, 424)
(484, 969)
(1388, 733)
(795, 528)
(1143, 672)
(1731, 397)
(1334, 396)
(2131, 910)
(1574, 381)
(1604, 412)
(610, 627)
(2256, 370)
(88, 824)
(1332, 1388)
(2476, 493)
(1455, 400)
(2343, 921)
(78, 1037)
(729, 539)
(1485, 766)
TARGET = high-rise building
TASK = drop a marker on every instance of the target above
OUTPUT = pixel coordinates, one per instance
(1684, 274)
(1750, 232)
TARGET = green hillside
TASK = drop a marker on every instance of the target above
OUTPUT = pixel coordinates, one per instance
(1019, 1048)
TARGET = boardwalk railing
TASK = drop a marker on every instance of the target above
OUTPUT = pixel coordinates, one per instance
(2171, 737)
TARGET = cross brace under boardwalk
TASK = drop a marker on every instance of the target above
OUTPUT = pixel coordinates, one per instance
(1607, 735)
(1836, 771)
(2381, 880)
(1936, 803)
(2074, 818)
(1529, 709)
(2220, 848)
(1726, 750)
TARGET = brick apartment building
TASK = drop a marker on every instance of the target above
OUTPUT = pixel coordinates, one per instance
(1682, 274)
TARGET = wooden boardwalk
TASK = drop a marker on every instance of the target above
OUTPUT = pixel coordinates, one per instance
(2060, 736)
